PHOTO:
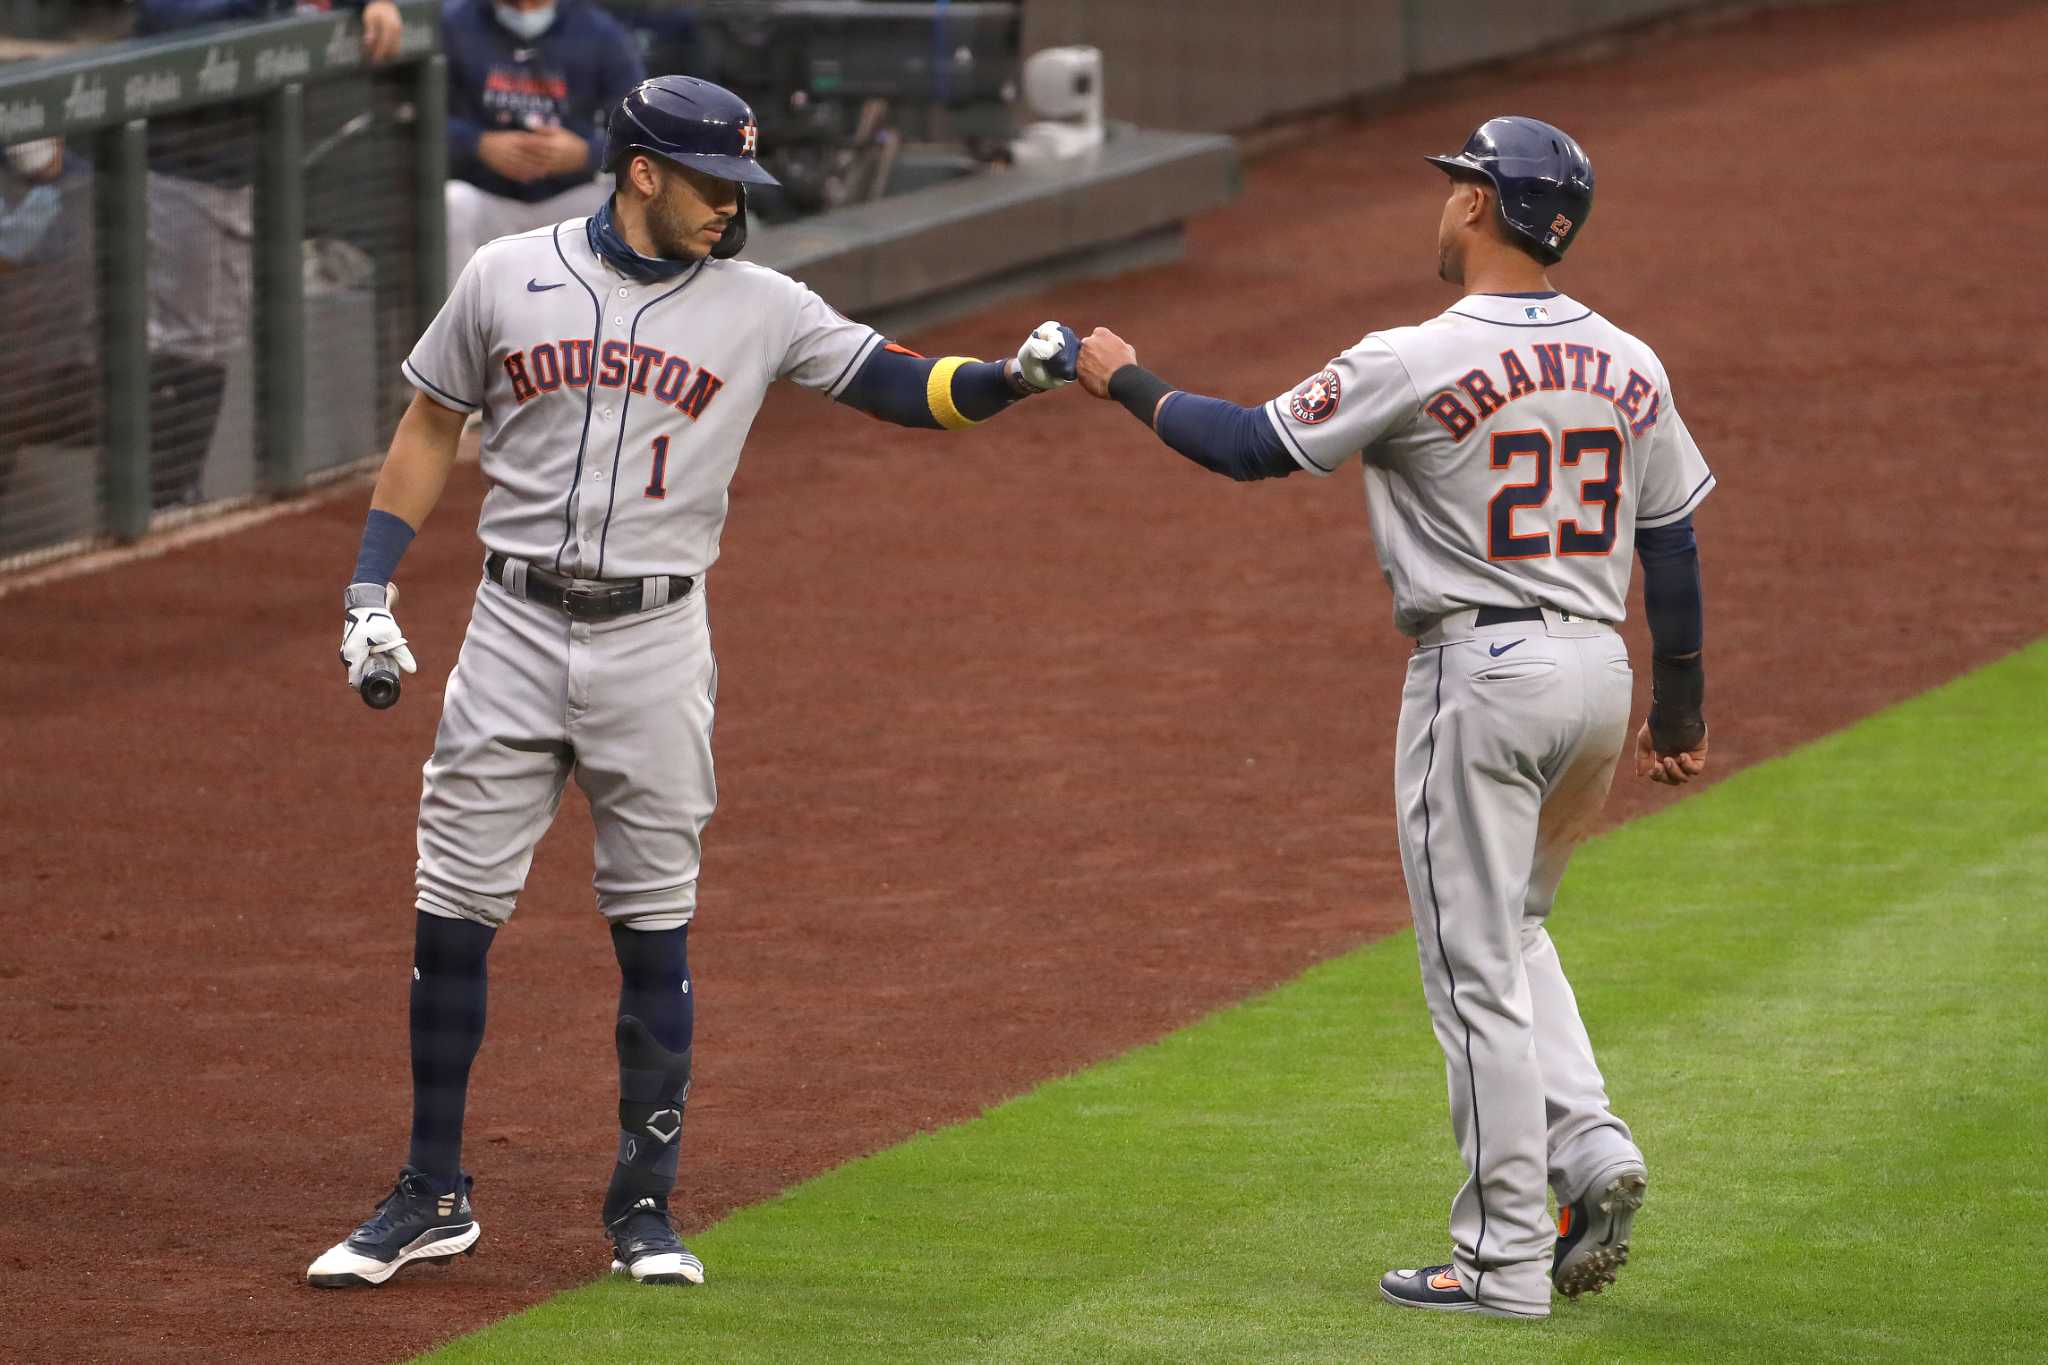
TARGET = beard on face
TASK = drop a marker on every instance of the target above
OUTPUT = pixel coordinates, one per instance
(668, 223)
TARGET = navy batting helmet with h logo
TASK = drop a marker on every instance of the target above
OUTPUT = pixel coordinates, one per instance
(1543, 179)
(696, 124)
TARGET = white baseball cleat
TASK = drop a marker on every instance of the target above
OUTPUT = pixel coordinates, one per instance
(413, 1223)
(645, 1246)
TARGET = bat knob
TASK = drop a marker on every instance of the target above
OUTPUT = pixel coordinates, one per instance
(380, 687)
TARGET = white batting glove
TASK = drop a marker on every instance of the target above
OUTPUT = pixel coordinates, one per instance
(372, 630)
(1046, 359)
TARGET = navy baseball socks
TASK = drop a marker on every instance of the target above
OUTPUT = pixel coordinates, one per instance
(449, 989)
(427, 1216)
(656, 1023)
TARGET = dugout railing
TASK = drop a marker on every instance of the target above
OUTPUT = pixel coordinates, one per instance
(206, 295)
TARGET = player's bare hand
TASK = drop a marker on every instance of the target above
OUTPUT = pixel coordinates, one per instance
(561, 151)
(514, 155)
(382, 28)
(1671, 769)
(1046, 359)
(1102, 355)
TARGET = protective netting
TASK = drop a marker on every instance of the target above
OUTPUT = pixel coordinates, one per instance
(204, 216)
(51, 461)
(362, 317)
(202, 208)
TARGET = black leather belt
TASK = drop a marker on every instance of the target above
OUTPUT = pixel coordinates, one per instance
(584, 599)
(1505, 616)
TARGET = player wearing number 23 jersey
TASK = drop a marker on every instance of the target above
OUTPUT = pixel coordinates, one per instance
(1520, 451)
(1513, 446)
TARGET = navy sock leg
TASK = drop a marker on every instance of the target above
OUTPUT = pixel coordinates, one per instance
(449, 986)
(654, 982)
(657, 1021)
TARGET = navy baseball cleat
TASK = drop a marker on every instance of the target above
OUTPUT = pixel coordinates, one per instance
(1592, 1233)
(1436, 1288)
(412, 1224)
(645, 1245)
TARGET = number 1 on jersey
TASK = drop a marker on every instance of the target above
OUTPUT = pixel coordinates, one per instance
(657, 481)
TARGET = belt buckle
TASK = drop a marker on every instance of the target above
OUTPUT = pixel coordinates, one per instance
(586, 604)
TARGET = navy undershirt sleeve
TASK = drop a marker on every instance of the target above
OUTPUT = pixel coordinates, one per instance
(1671, 588)
(1219, 435)
(891, 386)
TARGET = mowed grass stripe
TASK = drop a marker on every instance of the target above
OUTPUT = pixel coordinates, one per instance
(1820, 991)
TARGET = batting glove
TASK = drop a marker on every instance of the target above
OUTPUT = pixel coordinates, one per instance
(1046, 359)
(371, 630)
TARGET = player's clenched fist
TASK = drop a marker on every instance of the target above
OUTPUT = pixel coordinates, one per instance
(1102, 355)
(372, 630)
(1046, 359)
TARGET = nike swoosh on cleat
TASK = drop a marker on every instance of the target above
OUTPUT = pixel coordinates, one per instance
(1497, 650)
(536, 287)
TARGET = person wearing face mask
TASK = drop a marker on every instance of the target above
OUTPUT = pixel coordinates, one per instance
(529, 82)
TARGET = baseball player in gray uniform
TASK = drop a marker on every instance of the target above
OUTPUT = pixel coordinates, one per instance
(618, 362)
(1516, 450)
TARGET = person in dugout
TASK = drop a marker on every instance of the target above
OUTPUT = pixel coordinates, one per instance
(529, 84)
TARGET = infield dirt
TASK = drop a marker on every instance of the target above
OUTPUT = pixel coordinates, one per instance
(1034, 743)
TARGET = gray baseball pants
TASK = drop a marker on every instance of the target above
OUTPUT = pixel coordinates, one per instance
(624, 704)
(1507, 744)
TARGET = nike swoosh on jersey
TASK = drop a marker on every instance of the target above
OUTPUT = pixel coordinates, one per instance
(536, 287)
(1497, 650)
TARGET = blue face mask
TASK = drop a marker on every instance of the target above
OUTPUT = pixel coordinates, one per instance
(526, 23)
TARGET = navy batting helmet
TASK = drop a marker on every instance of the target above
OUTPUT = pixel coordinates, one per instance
(696, 124)
(1543, 179)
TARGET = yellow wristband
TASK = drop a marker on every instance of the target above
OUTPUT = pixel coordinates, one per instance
(938, 393)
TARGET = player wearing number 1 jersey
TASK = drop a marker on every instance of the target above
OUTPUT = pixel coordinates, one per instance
(1519, 450)
(618, 362)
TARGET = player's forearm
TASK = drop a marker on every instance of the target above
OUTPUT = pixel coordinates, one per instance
(1220, 436)
(949, 393)
(414, 475)
(1671, 589)
(1677, 618)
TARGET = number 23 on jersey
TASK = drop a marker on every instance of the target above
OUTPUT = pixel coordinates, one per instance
(1587, 457)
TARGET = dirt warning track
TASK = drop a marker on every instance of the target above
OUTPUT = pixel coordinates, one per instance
(1034, 742)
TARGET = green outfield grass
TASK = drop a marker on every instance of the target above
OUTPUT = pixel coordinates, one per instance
(1819, 991)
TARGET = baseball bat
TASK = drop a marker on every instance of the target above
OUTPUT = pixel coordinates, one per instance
(379, 687)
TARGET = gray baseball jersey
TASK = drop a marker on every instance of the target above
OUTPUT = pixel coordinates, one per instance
(614, 409)
(1512, 446)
